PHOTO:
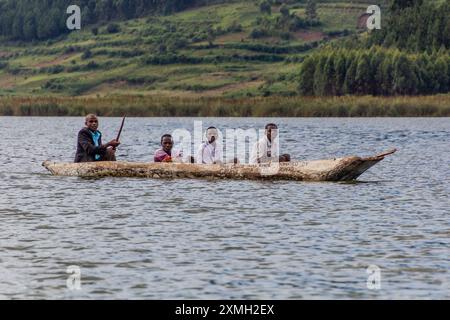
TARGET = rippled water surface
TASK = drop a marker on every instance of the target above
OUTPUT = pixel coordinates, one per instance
(161, 239)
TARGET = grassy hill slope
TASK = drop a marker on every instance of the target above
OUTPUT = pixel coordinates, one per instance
(212, 51)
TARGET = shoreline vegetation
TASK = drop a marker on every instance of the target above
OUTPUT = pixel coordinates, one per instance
(274, 106)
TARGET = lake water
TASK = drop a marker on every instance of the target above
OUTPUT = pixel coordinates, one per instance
(180, 239)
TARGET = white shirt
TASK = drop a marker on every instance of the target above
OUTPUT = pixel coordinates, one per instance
(264, 150)
(208, 153)
(177, 156)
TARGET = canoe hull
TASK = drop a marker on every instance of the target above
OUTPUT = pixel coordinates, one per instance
(340, 169)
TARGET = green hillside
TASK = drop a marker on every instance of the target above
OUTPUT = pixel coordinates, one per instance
(228, 50)
(224, 57)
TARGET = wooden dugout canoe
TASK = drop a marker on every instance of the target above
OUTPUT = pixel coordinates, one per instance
(339, 169)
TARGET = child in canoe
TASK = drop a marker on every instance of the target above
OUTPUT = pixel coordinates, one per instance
(166, 152)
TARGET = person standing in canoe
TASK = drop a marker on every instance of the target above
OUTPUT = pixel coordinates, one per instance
(210, 152)
(90, 147)
(166, 152)
(267, 148)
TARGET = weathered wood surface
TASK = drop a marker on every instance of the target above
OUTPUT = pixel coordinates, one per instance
(340, 169)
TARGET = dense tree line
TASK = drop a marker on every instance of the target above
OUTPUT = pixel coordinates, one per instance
(414, 25)
(375, 71)
(43, 19)
(408, 56)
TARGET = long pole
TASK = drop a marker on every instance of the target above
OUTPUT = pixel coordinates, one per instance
(121, 127)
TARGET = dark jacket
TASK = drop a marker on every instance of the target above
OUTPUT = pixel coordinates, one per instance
(86, 149)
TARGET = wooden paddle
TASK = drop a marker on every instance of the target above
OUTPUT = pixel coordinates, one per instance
(121, 127)
(120, 130)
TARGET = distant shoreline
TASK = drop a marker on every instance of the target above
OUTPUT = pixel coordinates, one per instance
(273, 106)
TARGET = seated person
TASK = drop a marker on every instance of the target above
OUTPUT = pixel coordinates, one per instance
(262, 150)
(90, 147)
(166, 153)
(210, 152)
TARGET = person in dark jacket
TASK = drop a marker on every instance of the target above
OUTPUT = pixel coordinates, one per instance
(90, 147)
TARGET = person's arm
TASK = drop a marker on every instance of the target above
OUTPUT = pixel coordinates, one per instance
(254, 154)
(199, 158)
(219, 155)
(178, 156)
(207, 157)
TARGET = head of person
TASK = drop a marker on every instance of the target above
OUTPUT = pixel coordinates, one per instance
(271, 131)
(91, 122)
(167, 142)
(212, 134)
(285, 158)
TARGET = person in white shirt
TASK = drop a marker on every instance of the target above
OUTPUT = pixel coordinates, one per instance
(267, 148)
(210, 152)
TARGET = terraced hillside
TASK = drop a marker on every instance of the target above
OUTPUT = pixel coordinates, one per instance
(231, 49)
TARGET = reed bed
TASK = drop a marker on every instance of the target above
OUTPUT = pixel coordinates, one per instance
(297, 106)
